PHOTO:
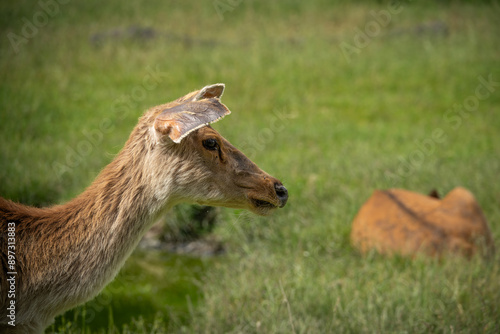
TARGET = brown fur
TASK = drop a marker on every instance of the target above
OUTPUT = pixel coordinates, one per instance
(67, 253)
(401, 222)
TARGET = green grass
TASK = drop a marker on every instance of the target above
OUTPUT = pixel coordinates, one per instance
(138, 295)
(332, 129)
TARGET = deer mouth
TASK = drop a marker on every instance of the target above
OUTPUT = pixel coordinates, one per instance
(262, 207)
(263, 201)
(258, 203)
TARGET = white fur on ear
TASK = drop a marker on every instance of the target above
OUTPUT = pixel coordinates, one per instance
(179, 121)
(210, 91)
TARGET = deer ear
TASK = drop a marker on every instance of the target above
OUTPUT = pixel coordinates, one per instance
(210, 91)
(179, 121)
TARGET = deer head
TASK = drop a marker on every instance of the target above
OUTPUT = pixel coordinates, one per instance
(202, 166)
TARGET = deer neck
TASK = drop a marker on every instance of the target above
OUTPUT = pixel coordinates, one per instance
(99, 229)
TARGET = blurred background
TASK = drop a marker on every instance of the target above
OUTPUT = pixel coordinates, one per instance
(335, 98)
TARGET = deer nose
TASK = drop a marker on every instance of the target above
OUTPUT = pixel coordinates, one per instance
(282, 193)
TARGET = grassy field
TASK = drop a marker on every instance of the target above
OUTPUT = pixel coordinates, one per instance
(335, 99)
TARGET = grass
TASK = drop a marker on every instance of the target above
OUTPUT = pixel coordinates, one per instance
(332, 128)
(136, 298)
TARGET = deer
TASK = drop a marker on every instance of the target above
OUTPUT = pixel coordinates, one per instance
(402, 222)
(57, 257)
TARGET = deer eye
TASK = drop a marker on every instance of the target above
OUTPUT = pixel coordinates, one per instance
(211, 144)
